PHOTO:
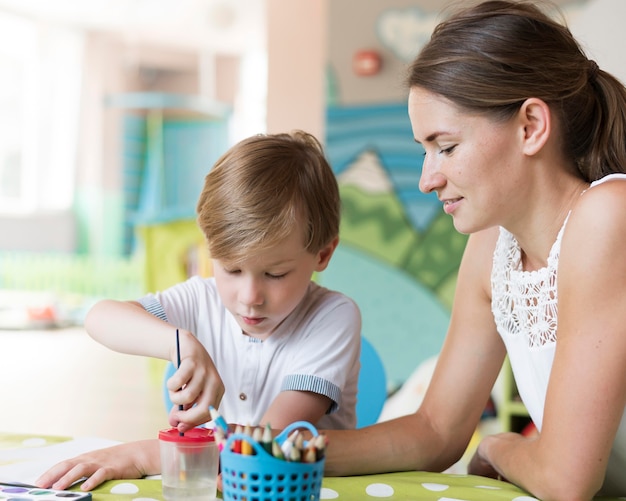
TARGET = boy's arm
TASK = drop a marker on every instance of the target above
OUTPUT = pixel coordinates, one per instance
(291, 406)
(131, 460)
(328, 352)
(126, 327)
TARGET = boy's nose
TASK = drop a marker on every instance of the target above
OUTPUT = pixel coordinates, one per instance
(251, 294)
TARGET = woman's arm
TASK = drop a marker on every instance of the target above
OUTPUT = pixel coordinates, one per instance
(587, 390)
(436, 435)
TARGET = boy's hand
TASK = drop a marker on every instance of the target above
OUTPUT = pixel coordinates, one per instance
(195, 386)
(117, 462)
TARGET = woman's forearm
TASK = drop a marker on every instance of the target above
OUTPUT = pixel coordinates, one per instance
(525, 462)
(403, 444)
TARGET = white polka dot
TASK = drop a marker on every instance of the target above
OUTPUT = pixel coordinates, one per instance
(379, 490)
(494, 487)
(125, 488)
(524, 498)
(435, 487)
(326, 493)
(34, 442)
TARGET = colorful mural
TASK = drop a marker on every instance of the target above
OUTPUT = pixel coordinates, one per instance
(399, 252)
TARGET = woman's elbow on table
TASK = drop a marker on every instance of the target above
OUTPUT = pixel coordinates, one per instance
(561, 486)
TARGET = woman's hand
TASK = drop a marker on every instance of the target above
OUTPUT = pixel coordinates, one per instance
(130, 460)
(479, 466)
(195, 386)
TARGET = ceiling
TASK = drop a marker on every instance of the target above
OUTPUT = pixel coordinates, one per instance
(220, 26)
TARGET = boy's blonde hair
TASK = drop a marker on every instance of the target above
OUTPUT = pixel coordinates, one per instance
(264, 187)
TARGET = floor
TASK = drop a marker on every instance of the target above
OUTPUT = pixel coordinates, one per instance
(61, 382)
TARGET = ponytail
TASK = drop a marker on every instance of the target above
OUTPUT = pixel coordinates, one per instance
(606, 153)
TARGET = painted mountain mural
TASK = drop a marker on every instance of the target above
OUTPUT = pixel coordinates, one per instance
(399, 252)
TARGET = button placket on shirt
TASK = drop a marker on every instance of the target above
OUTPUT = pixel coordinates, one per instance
(250, 364)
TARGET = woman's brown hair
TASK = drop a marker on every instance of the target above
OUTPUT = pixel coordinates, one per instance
(491, 57)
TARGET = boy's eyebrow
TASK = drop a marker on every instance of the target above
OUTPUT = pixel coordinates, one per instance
(265, 265)
(283, 261)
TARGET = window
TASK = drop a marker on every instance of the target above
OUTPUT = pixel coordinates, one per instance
(40, 76)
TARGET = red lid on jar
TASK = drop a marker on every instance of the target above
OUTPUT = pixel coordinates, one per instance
(193, 436)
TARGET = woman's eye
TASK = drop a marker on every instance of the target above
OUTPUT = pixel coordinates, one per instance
(448, 150)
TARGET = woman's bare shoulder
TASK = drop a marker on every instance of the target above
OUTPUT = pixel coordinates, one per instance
(600, 212)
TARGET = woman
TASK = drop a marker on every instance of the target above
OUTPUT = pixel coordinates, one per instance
(522, 133)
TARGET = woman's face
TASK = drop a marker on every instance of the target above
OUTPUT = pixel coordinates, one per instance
(473, 163)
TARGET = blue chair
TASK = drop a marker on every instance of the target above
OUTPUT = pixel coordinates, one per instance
(169, 372)
(371, 388)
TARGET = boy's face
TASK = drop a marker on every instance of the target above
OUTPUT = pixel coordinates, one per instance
(263, 290)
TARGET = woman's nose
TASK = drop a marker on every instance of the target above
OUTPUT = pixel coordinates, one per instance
(431, 178)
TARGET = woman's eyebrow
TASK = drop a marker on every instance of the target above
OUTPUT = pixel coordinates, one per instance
(432, 137)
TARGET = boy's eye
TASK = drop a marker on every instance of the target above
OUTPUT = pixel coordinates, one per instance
(232, 272)
(276, 275)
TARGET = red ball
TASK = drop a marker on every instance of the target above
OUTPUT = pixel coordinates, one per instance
(366, 62)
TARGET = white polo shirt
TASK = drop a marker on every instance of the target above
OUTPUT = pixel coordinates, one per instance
(316, 348)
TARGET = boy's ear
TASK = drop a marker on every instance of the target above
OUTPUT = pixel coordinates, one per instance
(324, 255)
(536, 120)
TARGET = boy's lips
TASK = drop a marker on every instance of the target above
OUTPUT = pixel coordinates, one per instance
(252, 320)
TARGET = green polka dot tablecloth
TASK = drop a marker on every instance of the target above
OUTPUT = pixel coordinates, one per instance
(413, 486)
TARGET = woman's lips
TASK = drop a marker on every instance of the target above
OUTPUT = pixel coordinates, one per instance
(450, 205)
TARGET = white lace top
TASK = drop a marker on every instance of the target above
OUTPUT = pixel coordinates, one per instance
(524, 305)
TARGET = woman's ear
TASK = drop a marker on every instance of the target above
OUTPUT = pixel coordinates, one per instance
(324, 255)
(536, 118)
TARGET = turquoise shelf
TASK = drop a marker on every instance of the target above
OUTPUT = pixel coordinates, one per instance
(172, 145)
(161, 101)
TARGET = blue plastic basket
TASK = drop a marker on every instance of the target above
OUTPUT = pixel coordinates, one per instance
(262, 477)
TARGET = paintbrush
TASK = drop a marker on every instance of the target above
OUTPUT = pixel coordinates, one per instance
(182, 474)
(180, 407)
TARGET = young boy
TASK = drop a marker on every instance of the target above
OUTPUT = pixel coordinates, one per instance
(259, 341)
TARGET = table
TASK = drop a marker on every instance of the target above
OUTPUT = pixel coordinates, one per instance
(413, 486)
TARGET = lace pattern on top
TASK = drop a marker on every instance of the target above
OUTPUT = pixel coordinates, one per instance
(524, 303)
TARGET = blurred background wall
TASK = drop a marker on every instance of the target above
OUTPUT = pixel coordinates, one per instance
(111, 113)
